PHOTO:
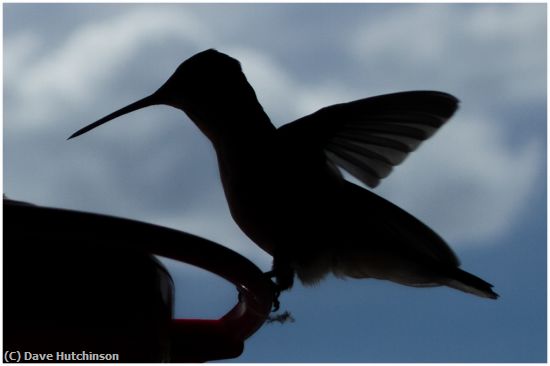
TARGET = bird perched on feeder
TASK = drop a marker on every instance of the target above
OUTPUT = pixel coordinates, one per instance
(286, 192)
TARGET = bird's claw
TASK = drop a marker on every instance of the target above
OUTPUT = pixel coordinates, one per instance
(276, 303)
(276, 291)
(282, 318)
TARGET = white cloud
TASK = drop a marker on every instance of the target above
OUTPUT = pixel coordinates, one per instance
(18, 52)
(467, 183)
(284, 96)
(74, 72)
(483, 46)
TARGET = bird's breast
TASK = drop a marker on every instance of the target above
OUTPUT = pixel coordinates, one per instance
(257, 204)
(268, 196)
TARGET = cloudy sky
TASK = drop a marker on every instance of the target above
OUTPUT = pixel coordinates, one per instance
(480, 182)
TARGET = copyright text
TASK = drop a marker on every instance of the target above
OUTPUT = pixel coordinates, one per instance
(24, 356)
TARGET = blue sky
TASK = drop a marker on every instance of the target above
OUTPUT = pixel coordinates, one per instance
(480, 182)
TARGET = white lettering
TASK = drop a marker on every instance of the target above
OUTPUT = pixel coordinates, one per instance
(29, 356)
(85, 356)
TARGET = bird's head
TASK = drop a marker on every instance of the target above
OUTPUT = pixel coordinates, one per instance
(207, 87)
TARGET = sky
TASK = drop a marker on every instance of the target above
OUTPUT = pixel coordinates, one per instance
(480, 181)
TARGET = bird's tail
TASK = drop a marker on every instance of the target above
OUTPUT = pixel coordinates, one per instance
(467, 282)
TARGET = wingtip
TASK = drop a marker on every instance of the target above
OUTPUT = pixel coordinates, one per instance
(454, 99)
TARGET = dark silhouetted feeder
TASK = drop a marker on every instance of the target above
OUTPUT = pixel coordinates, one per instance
(81, 282)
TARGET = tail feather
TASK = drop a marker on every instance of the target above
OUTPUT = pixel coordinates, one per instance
(467, 282)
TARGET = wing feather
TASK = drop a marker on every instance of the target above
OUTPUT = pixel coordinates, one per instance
(367, 137)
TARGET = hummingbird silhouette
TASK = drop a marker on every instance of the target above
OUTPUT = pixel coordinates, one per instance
(285, 188)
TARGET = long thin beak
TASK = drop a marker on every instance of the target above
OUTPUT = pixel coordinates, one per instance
(152, 99)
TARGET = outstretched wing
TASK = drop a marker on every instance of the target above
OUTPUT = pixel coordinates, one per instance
(368, 137)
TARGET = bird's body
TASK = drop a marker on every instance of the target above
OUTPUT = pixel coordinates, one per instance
(313, 222)
(286, 193)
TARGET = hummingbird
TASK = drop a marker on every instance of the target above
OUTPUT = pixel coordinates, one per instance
(285, 188)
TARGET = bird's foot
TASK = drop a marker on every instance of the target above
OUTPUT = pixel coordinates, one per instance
(276, 302)
(284, 279)
(285, 316)
(276, 291)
